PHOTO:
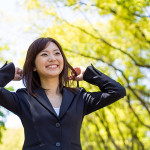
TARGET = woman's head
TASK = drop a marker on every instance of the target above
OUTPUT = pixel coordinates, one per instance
(49, 62)
(37, 57)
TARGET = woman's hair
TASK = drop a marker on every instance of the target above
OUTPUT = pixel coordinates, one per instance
(31, 79)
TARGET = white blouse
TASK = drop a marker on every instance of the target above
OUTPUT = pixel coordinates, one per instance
(57, 110)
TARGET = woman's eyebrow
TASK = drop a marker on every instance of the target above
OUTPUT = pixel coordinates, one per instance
(48, 51)
(44, 51)
(56, 50)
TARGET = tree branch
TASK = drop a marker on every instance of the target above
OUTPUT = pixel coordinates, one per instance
(134, 134)
(117, 124)
(107, 130)
(114, 11)
(142, 33)
(97, 128)
(128, 100)
(108, 44)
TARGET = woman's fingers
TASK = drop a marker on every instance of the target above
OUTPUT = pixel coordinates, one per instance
(18, 74)
(79, 71)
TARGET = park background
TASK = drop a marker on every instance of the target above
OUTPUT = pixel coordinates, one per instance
(113, 35)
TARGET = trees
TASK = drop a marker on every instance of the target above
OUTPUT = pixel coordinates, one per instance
(12, 139)
(2, 114)
(115, 37)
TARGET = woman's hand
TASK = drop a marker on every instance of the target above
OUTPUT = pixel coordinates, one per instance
(80, 71)
(18, 74)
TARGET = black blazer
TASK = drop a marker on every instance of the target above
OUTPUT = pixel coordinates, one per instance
(43, 129)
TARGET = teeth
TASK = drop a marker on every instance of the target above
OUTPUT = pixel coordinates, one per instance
(52, 66)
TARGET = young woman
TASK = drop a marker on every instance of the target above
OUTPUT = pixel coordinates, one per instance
(50, 109)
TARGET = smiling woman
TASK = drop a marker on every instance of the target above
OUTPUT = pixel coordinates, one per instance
(39, 70)
(50, 110)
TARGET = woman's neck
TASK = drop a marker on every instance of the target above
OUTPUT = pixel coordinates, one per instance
(52, 84)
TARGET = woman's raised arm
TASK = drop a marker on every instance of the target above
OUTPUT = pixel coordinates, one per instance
(111, 90)
(8, 99)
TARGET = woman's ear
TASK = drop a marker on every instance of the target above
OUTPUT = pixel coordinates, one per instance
(34, 69)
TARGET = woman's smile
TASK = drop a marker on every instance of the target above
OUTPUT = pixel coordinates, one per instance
(52, 66)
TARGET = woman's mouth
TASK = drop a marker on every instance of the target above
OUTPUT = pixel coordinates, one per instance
(52, 66)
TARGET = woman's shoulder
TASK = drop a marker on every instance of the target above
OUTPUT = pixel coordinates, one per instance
(76, 90)
(21, 90)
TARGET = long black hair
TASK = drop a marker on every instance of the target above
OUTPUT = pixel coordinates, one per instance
(31, 78)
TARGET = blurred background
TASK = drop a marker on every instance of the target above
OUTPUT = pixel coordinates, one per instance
(113, 35)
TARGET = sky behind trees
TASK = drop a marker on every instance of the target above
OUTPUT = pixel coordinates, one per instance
(114, 35)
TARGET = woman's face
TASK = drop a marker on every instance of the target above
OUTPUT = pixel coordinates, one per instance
(49, 62)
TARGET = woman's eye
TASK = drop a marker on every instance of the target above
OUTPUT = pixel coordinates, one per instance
(57, 53)
(44, 54)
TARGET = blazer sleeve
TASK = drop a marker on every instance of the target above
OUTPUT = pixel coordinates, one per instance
(111, 90)
(8, 100)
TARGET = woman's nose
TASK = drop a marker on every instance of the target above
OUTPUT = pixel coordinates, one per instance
(51, 57)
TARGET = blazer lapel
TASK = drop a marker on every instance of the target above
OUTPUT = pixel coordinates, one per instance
(66, 101)
(67, 97)
(43, 100)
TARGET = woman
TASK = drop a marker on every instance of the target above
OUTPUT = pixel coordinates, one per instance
(50, 109)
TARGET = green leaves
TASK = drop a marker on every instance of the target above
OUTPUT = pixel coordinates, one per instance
(114, 35)
(12, 139)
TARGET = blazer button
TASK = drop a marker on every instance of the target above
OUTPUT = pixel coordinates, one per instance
(57, 124)
(58, 144)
